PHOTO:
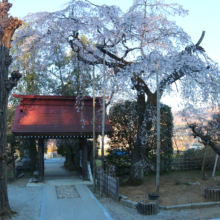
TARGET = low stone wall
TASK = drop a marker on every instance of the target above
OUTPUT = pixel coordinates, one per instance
(190, 206)
(126, 202)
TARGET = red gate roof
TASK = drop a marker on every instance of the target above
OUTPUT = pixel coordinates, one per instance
(57, 116)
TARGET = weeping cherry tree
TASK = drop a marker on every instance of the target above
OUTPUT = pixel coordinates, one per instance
(133, 42)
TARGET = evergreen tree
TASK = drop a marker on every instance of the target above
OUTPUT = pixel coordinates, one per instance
(123, 118)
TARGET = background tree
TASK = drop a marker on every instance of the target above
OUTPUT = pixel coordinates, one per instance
(124, 119)
(55, 73)
(166, 135)
(8, 25)
(13, 143)
(132, 42)
(207, 131)
(71, 151)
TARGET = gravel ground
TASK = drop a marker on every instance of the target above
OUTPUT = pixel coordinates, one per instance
(26, 201)
(120, 212)
(66, 192)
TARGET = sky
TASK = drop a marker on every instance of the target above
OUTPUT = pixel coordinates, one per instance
(203, 16)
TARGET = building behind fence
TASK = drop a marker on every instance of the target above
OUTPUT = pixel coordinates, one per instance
(108, 183)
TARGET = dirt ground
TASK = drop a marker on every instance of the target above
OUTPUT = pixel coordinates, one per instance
(22, 182)
(175, 188)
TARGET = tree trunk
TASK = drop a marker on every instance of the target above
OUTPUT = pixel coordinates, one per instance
(8, 25)
(144, 110)
(135, 173)
(4, 204)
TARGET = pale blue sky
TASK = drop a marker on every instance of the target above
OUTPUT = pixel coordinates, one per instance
(203, 15)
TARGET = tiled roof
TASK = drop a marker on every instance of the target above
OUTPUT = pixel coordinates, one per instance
(57, 115)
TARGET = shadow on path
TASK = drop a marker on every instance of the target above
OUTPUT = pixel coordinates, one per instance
(54, 168)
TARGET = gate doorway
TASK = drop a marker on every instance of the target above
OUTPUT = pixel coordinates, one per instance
(58, 117)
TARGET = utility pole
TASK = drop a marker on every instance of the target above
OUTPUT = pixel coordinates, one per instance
(94, 164)
(103, 115)
(158, 132)
(103, 129)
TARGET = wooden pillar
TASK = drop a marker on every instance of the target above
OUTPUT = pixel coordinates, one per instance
(84, 159)
(33, 154)
(41, 159)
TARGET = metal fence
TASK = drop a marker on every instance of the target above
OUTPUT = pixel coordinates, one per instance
(108, 183)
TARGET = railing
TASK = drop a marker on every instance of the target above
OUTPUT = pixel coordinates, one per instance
(108, 183)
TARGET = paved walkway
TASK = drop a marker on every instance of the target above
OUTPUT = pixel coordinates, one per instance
(84, 208)
(87, 207)
(54, 168)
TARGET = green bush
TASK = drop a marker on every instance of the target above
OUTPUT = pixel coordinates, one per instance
(122, 163)
(123, 117)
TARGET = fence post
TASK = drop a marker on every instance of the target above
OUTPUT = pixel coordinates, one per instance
(216, 160)
(101, 181)
(117, 189)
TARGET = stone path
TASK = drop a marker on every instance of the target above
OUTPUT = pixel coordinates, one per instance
(86, 207)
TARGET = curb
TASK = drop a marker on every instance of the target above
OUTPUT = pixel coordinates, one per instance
(43, 205)
(129, 203)
(191, 206)
(99, 204)
(132, 204)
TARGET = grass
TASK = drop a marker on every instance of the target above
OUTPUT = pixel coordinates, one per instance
(10, 174)
(98, 163)
(217, 173)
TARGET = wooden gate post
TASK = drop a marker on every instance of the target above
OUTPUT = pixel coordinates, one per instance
(84, 159)
(41, 159)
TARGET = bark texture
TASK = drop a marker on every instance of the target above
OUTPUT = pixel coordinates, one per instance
(136, 175)
(8, 25)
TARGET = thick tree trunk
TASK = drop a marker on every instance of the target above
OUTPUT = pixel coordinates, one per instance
(4, 204)
(144, 116)
(8, 25)
(136, 176)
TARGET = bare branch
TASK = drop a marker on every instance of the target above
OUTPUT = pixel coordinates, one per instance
(201, 39)
(205, 137)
